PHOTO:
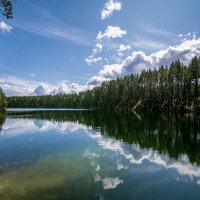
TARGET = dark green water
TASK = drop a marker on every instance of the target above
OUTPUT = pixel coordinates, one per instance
(47, 155)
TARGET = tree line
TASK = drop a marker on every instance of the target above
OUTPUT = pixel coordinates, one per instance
(167, 89)
(3, 100)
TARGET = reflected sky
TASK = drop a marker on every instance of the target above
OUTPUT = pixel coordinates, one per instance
(15, 127)
(109, 167)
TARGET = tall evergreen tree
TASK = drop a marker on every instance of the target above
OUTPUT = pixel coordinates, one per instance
(3, 100)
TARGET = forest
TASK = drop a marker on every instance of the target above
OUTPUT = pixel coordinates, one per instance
(173, 88)
(3, 100)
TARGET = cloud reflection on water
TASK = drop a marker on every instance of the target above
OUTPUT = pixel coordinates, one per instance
(132, 153)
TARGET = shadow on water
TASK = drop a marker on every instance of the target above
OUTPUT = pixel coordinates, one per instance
(173, 135)
(2, 118)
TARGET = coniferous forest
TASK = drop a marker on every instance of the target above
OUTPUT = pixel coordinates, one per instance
(3, 101)
(173, 88)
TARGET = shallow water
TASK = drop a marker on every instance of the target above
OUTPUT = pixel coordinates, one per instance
(81, 154)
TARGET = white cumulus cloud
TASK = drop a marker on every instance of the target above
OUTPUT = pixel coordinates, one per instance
(109, 7)
(187, 36)
(123, 47)
(93, 58)
(111, 32)
(61, 88)
(42, 90)
(98, 48)
(138, 60)
(14, 86)
(5, 27)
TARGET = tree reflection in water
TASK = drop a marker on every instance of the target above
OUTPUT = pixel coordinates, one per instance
(172, 135)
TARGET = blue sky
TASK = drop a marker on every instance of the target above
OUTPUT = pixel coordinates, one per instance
(73, 45)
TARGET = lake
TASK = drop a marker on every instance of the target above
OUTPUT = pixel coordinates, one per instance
(85, 154)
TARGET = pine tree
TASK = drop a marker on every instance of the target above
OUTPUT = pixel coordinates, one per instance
(3, 101)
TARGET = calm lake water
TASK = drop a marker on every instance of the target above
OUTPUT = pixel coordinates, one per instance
(47, 155)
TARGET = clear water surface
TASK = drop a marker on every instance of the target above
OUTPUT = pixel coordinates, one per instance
(84, 154)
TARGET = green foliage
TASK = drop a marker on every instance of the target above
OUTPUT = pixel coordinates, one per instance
(168, 89)
(6, 8)
(3, 100)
